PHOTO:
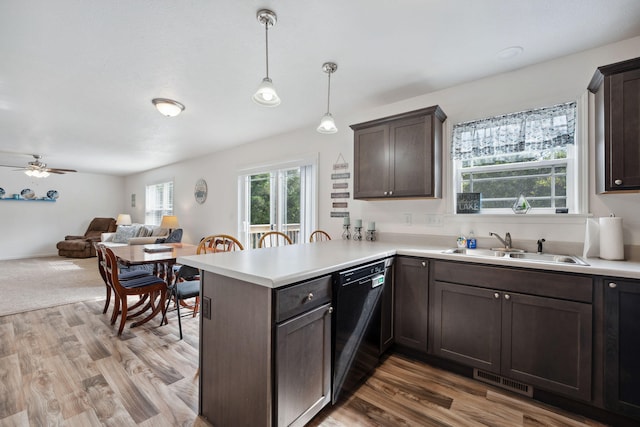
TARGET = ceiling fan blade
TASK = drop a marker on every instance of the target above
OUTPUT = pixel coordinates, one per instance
(12, 166)
(59, 170)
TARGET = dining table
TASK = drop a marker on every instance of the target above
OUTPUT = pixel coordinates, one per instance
(161, 255)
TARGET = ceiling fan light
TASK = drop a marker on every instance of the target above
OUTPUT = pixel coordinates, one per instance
(29, 172)
(327, 124)
(266, 94)
(168, 107)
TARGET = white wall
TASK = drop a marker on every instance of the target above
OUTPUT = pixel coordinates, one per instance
(32, 229)
(556, 81)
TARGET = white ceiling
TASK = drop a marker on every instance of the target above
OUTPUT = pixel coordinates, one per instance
(77, 76)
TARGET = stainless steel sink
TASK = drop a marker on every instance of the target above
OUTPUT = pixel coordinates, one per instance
(476, 252)
(548, 258)
(518, 254)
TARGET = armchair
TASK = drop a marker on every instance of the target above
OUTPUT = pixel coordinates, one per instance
(84, 246)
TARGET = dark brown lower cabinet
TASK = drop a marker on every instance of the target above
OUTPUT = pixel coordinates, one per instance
(411, 302)
(265, 354)
(546, 342)
(622, 343)
(467, 325)
(303, 366)
(543, 341)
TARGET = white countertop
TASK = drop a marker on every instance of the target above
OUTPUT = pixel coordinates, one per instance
(284, 265)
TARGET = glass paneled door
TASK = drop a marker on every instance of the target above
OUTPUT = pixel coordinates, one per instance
(274, 202)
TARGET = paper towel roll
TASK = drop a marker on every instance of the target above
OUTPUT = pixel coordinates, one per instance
(611, 238)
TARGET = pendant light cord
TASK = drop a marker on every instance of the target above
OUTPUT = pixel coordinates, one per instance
(328, 92)
(266, 37)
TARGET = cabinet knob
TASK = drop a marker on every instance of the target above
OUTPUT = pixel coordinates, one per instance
(424, 263)
(310, 296)
(618, 182)
(507, 296)
(390, 193)
(385, 193)
(330, 310)
(496, 295)
(613, 285)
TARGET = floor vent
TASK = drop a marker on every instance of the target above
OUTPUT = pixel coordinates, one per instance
(506, 383)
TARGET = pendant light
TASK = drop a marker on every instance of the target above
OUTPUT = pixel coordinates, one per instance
(266, 94)
(327, 124)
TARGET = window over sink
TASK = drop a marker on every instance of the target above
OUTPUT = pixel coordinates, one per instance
(531, 153)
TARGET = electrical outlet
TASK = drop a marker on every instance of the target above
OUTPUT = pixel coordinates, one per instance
(433, 220)
(408, 220)
(206, 307)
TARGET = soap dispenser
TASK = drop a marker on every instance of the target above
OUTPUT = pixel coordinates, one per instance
(471, 240)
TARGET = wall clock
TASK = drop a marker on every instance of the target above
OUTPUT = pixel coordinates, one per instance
(200, 191)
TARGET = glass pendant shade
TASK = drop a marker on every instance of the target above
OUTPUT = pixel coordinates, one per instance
(266, 94)
(327, 124)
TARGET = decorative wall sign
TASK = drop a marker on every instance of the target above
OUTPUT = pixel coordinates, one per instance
(200, 191)
(344, 195)
(344, 175)
(342, 183)
(133, 200)
(343, 165)
(468, 202)
(335, 214)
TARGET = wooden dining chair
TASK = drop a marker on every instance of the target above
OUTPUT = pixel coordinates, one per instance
(150, 286)
(187, 283)
(319, 236)
(219, 243)
(274, 238)
(134, 274)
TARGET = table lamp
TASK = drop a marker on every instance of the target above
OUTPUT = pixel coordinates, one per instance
(170, 222)
(123, 219)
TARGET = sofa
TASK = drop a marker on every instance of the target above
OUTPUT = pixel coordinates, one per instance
(134, 234)
(83, 246)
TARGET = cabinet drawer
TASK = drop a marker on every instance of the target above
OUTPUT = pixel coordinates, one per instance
(302, 297)
(542, 283)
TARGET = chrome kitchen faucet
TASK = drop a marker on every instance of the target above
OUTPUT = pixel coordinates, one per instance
(506, 242)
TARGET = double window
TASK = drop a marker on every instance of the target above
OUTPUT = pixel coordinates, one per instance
(531, 153)
(158, 202)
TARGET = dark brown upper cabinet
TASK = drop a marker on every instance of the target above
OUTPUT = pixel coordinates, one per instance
(617, 124)
(399, 156)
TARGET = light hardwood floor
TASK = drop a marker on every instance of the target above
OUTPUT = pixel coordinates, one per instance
(65, 366)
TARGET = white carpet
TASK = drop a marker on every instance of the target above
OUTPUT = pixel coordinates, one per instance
(34, 283)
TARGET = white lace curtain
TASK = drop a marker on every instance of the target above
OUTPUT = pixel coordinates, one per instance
(534, 130)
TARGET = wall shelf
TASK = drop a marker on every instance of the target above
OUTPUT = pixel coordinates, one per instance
(8, 199)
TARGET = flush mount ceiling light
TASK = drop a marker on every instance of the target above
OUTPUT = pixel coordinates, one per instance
(509, 53)
(168, 107)
(327, 124)
(266, 94)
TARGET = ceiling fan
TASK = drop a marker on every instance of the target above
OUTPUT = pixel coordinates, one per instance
(38, 169)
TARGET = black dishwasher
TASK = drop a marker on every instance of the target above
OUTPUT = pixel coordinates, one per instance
(356, 331)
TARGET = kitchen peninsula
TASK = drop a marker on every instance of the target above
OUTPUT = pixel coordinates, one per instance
(253, 302)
